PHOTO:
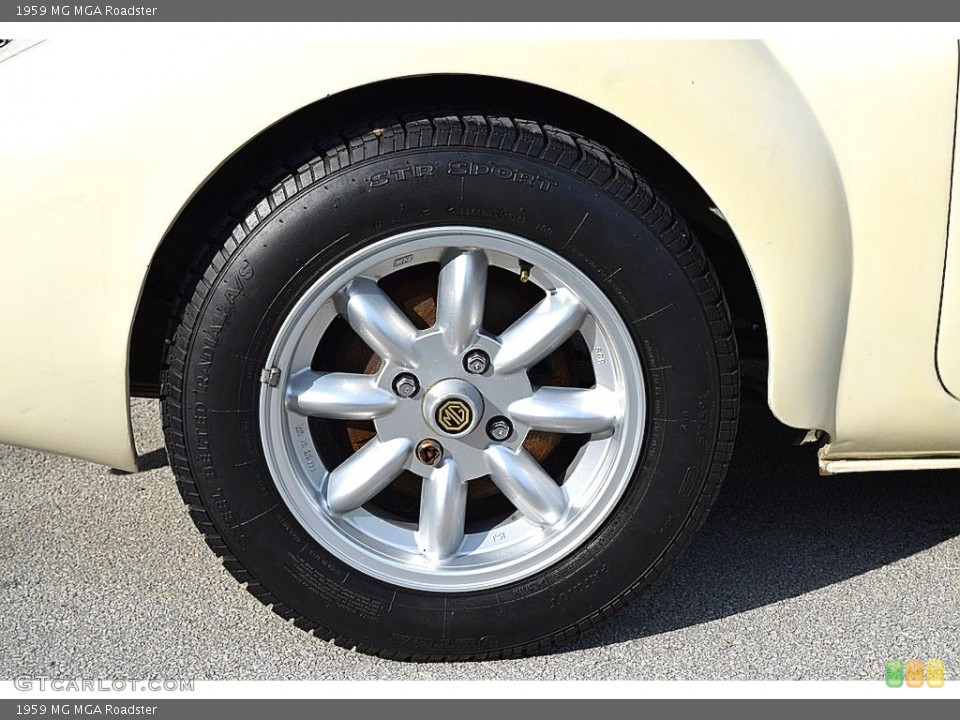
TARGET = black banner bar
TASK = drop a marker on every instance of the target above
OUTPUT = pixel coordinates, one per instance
(467, 708)
(490, 10)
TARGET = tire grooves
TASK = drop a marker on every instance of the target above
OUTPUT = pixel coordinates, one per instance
(587, 159)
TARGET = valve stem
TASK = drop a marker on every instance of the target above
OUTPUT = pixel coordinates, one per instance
(525, 269)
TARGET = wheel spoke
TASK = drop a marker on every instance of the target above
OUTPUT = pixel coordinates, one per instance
(461, 294)
(526, 485)
(568, 410)
(365, 473)
(338, 396)
(378, 321)
(539, 332)
(443, 510)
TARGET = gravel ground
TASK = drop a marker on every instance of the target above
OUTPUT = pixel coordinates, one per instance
(793, 577)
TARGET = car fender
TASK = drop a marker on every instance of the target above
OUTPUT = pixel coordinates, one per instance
(104, 146)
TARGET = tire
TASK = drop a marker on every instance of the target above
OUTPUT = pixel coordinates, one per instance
(286, 365)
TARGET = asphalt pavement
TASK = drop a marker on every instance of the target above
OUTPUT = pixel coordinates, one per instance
(793, 576)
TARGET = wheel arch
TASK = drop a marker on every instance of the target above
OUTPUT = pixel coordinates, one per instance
(783, 256)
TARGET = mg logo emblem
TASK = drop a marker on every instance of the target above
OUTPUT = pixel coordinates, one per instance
(453, 416)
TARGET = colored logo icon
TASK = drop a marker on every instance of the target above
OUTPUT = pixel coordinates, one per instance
(935, 673)
(914, 673)
(894, 673)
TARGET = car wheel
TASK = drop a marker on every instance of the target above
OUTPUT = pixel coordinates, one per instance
(457, 388)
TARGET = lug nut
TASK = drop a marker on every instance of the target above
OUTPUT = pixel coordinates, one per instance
(476, 362)
(429, 451)
(499, 428)
(406, 385)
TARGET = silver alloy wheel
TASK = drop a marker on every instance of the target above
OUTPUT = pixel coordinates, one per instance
(453, 405)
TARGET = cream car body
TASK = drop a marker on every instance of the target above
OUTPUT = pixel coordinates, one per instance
(831, 163)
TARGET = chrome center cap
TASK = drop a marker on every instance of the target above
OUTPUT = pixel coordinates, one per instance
(452, 407)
